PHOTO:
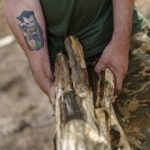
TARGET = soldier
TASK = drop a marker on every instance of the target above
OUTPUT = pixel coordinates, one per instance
(105, 29)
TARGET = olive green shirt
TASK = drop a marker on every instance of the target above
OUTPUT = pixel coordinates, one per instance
(89, 20)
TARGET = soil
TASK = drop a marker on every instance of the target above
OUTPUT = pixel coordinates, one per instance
(26, 118)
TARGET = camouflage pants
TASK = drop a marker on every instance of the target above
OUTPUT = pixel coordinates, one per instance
(132, 105)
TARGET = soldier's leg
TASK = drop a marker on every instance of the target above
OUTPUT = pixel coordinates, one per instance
(133, 103)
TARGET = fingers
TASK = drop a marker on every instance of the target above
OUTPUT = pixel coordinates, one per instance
(51, 92)
(118, 74)
(118, 82)
(119, 77)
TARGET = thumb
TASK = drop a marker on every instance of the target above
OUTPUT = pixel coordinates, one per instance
(119, 82)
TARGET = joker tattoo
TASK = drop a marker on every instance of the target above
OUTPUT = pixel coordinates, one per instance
(31, 30)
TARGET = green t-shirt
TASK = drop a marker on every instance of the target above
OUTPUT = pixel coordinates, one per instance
(89, 20)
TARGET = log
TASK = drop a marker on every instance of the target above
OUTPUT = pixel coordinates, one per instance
(105, 92)
(80, 80)
(104, 106)
(81, 125)
(73, 132)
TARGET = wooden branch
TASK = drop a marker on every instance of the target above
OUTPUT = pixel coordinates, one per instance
(62, 85)
(80, 80)
(105, 92)
(73, 132)
(80, 124)
(104, 107)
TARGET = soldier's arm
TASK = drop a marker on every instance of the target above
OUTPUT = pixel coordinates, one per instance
(26, 20)
(123, 14)
(115, 55)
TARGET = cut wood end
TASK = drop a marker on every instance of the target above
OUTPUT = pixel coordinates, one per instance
(83, 133)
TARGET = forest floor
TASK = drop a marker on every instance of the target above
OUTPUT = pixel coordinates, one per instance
(26, 118)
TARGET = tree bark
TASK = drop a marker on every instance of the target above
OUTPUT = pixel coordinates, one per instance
(79, 124)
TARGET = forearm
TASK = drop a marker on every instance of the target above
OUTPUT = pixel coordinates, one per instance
(26, 19)
(123, 14)
(115, 55)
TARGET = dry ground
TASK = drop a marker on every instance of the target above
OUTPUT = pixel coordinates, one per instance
(26, 121)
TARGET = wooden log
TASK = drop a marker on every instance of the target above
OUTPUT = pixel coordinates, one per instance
(73, 132)
(105, 97)
(80, 80)
(79, 124)
(105, 92)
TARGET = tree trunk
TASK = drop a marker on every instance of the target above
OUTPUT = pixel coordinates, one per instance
(79, 124)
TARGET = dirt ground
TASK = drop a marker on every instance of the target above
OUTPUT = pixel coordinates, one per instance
(26, 121)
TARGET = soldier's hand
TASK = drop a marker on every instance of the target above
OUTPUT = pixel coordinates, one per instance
(46, 83)
(115, 57)
(43, 76)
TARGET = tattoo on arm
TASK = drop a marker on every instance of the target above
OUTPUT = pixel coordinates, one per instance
(31, 30)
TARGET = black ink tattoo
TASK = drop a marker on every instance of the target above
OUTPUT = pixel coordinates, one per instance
(31, 30)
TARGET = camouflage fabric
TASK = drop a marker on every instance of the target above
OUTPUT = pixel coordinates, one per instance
(132, 104)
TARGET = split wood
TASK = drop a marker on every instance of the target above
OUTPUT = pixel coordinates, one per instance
(81, 125)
